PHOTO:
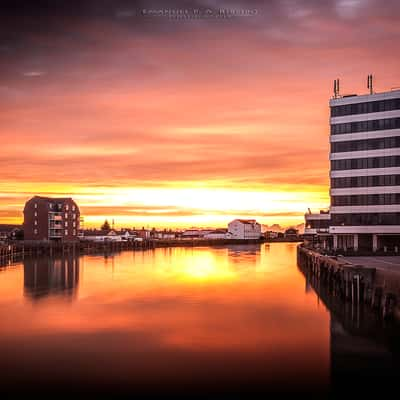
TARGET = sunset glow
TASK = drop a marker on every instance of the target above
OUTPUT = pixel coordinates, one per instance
(157, 122)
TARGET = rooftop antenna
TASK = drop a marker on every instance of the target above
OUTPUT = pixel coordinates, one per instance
(336, 88)
(113, 224)
(370, 84)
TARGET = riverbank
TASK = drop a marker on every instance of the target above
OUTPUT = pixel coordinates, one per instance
(353, 281)
(18, 250)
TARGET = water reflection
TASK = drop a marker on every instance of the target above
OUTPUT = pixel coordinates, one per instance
(198, 320)
(45, 276)
(364, 347)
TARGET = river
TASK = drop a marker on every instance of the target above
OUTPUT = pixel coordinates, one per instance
(229, 320)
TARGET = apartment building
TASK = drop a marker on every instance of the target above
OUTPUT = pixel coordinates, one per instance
(47, 218)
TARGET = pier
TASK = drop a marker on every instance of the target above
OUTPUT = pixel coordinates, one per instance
(18, 250)
(359, 285)
(13, 252)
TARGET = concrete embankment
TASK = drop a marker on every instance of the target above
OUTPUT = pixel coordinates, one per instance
(358, 284)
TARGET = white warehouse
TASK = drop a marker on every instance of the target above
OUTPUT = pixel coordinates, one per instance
(244, 229)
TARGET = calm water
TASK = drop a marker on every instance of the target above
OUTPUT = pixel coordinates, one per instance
(201, 320)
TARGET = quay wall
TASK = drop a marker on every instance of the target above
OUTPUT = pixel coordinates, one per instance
(374, 288)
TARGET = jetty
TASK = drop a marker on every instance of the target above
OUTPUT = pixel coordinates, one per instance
(358, 284)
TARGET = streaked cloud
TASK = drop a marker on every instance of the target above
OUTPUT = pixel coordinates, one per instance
(148, 107)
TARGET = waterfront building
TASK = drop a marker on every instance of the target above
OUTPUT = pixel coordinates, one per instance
(47, 218)
(316, 228)
(291, 234)
(244, 229)
(95, 235)
(218, 234)
(365, 171)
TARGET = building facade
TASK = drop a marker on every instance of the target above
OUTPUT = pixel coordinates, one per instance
(48, 218)
(244, 229)
(316, 228)
(365, 172)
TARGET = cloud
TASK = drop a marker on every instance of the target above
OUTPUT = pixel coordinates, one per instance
(133, 102)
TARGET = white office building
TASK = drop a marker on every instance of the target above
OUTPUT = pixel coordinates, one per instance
(365, 171)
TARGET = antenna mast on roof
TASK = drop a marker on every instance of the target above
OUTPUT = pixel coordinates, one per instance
(370, 85)
(336, 88)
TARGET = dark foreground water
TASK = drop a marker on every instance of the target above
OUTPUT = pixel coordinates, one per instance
(191, 321)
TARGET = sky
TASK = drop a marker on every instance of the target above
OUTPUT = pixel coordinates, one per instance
(155, 120)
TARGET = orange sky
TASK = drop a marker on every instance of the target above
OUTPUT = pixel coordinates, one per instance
(163, 122)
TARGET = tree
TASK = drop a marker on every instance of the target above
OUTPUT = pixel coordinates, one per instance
(105, 226)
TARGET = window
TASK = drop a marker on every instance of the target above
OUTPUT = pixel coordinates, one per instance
(73, 208)
(73, 216)
(51, 206)
(66, 232)
(35, 213)
(66, 215)
(74, 224)
(66, 223)
(362, 126)
(35, 205)
(35, 231)
(74, 232)
(364, 108)
(35, 222)
(67, 207)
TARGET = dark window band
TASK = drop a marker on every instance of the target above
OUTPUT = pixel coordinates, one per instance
(380, 199)
(366, 107)
(318, 224)
(365, 126)
(363, 163)
(366, 144)
(365, 181)
(365, 219)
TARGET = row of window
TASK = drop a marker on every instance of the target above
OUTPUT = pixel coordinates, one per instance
(57, 206)
(365, 219)
(366, 107)
(366, 144)
(35, 222)
(365, 126)
(318, 224)
(366, 199)
(365, 181)
(362, 163)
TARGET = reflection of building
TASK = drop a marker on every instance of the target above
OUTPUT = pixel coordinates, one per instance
(47, 276)
(364, 349)
(48, 218)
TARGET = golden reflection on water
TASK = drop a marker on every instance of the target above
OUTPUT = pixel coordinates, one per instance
(243, 300)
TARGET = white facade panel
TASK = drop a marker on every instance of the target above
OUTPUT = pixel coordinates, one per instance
(365, 172)
(365, 153)
(365, 117)
(380, 229)
(387, 208)
(365, 190)
(364, 135)
(393, 94)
